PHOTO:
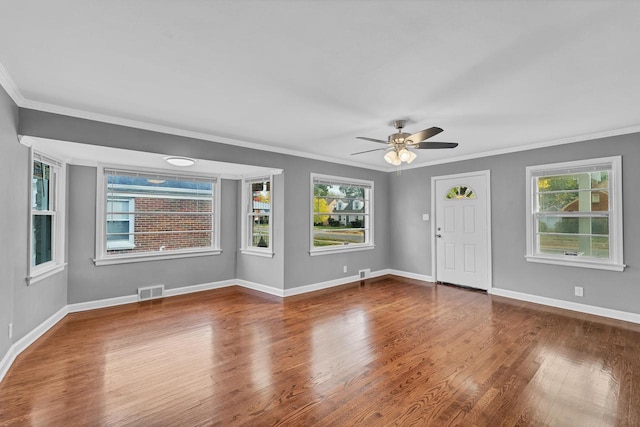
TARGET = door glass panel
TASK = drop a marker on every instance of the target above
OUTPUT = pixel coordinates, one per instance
(461, 192)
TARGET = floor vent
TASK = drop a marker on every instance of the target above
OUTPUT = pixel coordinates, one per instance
(150, 292)
(364, 274)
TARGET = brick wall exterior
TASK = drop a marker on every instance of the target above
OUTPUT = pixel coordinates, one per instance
(169, 222)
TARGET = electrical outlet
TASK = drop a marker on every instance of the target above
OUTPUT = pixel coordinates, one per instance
(344, 269)
(11, 330)
(579, 291)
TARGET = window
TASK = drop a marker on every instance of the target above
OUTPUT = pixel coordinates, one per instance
(120, 226)
(147, 215)
(256, 212)
(575, 213)
(461, 192)
(46, 242)
(341, 214)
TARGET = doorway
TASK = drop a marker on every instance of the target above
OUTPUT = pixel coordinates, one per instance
(461, 229)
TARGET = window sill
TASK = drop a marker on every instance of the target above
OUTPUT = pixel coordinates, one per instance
(576, 263)
(339, 249)
(256, 252)
(155, 256)
(41, 275)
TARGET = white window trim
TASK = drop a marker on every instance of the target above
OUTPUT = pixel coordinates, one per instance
(245, 248)
(101, 257)
(615, 261)
(57, 263)
(346, 248)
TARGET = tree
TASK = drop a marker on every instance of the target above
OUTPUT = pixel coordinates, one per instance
(352, 192)
(320, 205)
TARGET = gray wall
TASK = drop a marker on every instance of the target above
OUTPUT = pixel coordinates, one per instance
(12, 212)
(266, 271)
(88, 282)
(302, 269)
(411, 197)
(25, 306)
(290, 267)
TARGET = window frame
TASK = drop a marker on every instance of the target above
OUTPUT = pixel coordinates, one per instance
(57, 198)
(369, 233)
(101, 256)
(615, 213)
(247, 217)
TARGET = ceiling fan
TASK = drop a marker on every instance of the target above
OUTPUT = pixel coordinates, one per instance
(399, 143)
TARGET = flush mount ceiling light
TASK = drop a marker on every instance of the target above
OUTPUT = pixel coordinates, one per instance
(399, 143)
(180, 161)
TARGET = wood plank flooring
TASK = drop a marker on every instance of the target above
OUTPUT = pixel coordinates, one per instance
(388, 351)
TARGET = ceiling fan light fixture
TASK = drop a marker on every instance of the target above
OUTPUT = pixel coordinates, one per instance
(392, 157)
(412, 157)
(404, 155)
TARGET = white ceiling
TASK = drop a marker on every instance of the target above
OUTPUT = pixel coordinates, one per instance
(310, 76)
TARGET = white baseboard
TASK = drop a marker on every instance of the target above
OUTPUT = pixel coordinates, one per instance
(101, 303)
(198, 288)
(330, 283)
(409, 275)
(568, 305)
(260, 287)
(23, 343)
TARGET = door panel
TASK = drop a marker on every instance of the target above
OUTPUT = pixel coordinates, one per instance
(462, 242)
(470, 258)
(450, 257)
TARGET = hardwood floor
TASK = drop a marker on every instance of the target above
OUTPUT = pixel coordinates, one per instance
(391, 351)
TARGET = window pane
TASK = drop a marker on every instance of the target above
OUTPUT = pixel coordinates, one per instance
(566, 244)
(155, 222)
(600, 247)
(118, 210)
(574, 201)
(261, 196)
(340, 213)
(40, 186)
(329, 236)
(259, 230)
(158, 213)
(555, 224)
(117, 230)
(578, 181)
(41, 246)
(460, 192)
(168, 241)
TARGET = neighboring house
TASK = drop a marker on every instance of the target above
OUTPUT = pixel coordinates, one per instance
(349, 213)
(599, 203)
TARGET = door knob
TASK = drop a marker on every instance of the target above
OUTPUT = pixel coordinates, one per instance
(438, 236)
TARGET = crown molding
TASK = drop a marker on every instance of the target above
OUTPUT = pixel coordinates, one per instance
(11, 87)
(534, 146)
(14, 92)
(104, 118)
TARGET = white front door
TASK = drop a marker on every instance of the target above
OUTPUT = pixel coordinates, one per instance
(462, 229)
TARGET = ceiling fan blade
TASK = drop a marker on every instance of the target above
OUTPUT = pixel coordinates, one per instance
(368, 151)
(426, 145)
(371, 139)
(424, 134)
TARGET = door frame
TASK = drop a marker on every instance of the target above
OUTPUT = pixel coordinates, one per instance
(486, 174)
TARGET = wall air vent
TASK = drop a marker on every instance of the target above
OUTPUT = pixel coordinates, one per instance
(364, 274)
(150, 292)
